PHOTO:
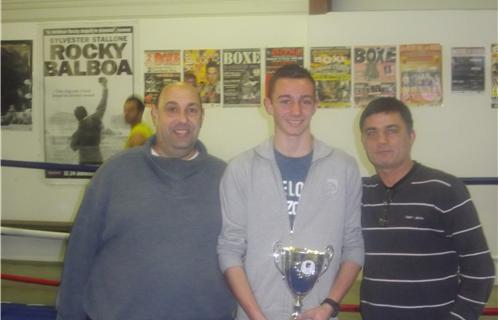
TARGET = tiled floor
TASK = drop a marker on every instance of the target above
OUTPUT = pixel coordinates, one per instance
(39, 294)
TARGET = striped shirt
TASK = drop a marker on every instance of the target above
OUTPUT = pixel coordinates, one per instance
(425, 252)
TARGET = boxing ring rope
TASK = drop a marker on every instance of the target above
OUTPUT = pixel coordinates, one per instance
(490, 311)
(9, 231)
(32, 280)
(49, 165)
(93, 168)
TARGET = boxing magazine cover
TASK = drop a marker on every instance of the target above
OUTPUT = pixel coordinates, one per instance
(467, 69)
(162, 67)
(331, 69)
(277, 57)
(374, 73)
(242, 78)
(421, 74)
(202, 68)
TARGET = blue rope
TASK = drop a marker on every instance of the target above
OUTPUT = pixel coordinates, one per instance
(480, 180)
(93, 168)
(49, 166)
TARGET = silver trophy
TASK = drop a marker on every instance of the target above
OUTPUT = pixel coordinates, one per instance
(301, 268)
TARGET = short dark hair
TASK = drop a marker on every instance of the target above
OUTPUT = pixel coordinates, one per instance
(212, 64)
(387, 105)
(292, 71)
(80, 112)
(189, 75)
(138, 102)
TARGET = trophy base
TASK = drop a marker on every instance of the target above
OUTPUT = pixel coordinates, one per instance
(297, 308)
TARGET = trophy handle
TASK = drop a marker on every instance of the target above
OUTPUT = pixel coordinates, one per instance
(329, 254)
(278, 250)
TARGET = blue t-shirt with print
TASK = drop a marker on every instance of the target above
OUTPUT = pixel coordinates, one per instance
(293, 172)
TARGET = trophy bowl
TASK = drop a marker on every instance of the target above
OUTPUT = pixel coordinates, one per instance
(301, 267)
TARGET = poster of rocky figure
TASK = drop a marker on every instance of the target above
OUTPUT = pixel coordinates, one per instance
(17, 88)
(494, 75)
(331, 69)
(88, 73)
(421, 74)
(242, 78)
(202, 68)
(467, 69)
(277, 57)
(374, 73)
(162, 67)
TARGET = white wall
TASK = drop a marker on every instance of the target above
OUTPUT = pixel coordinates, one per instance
(460, 137)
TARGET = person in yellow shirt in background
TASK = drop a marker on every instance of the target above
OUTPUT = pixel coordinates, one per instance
(133, 111)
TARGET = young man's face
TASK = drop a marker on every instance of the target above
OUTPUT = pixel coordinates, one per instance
(387, 140)
(292, 105)
(212, 75)
(178, 119)
(131, 113)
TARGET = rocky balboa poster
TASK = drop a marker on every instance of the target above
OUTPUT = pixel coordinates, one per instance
(88, 73)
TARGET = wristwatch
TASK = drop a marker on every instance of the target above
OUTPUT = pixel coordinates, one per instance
(336, 308)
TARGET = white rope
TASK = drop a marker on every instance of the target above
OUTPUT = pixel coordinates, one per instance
(8, 231)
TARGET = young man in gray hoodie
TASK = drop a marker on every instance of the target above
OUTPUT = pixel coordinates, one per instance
(294, 189)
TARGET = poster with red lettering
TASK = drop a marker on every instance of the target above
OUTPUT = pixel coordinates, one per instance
(242, 78)
(277, 57)
(374, 73)
(162, 67)
(421, 74)
(88, 74)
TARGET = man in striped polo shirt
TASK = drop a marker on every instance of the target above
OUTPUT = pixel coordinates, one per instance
(425, 252)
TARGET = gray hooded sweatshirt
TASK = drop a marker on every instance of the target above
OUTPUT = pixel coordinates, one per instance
(255, 215)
